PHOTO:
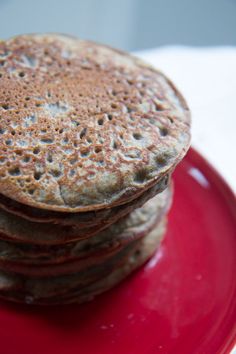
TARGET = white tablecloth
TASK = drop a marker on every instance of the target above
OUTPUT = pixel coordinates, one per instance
(207, 79)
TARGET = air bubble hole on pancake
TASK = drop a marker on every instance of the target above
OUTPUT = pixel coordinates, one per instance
(89, 136)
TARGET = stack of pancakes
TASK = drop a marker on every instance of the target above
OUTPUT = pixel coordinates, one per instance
(89, 137)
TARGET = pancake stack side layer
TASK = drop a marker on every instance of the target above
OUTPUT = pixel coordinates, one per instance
(89, 138)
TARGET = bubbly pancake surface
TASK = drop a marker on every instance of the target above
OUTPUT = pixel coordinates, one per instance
(83, 126)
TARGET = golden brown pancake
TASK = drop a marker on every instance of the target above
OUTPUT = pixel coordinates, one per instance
(84, 126)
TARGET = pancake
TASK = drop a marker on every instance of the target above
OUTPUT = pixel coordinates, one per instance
(15, 229)
(84, 127)
(61, 259)
(89, 138)
(82, 286)
(85, 220)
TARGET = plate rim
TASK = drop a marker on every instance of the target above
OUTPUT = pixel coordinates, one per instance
(193, 154)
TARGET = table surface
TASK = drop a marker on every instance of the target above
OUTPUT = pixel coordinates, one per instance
(207, 79)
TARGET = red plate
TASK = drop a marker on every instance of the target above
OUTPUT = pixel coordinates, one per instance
(183, 301)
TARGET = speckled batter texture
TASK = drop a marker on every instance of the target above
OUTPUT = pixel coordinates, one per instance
(84, 126)
(89, 138)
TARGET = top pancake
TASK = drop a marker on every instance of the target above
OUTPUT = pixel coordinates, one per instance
(84, 126)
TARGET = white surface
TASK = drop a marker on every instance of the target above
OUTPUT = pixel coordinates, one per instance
(207, 79)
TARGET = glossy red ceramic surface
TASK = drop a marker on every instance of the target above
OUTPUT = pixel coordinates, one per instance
(183, 301)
